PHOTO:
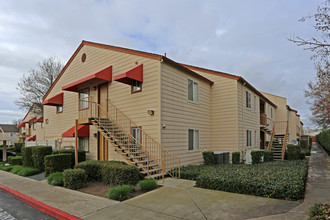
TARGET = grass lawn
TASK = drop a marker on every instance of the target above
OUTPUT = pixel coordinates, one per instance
(278, 179)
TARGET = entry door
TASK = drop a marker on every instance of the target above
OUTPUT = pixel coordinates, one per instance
(262, 140)
(102, 100)
(102, 147)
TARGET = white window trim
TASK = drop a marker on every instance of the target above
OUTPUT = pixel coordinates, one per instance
(195, 148)
(194, 85)
(248, 138)
(255, 138)
(255, 103)
(248, 99)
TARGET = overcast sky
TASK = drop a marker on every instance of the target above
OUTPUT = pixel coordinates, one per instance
(246, 38)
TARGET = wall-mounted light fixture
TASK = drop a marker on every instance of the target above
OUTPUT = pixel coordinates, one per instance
(94, 87)
(151, 112)
(95, 135)
(164, 126)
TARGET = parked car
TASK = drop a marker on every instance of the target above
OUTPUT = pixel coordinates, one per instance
(9, 153)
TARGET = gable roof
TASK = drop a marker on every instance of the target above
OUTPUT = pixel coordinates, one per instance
(9, 128)
(128, 51)
(35, 105)
(231, 76)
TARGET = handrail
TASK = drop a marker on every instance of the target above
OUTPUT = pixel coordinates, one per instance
(285, 139)
(270, 143)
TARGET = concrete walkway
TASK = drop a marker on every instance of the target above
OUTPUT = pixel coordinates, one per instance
(178, 199)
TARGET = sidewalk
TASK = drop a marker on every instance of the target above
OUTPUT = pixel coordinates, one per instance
(178, 199)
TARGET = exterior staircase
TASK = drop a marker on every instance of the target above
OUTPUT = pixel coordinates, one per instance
(278, 140)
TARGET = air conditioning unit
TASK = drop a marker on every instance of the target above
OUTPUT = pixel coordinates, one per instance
(221, 157)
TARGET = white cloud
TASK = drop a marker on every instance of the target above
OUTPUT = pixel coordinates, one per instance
(220, 32)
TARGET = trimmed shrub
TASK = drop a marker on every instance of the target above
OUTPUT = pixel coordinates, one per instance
(208, 157)
(191, 172)
(278, 179)
(257, 156)
(18, 147)
(235, 157)
(74, 178)
(57, 163)
(28, 171)
(120, 193)
(268, 156)
(6, 168)
(319, 211)
(55, 179)
(119, 174)
(27, 156)
(38, 155)
(323, 138)
(147, 185)
(15, 160)
(293, 152)
(81, 155)
(16, 169)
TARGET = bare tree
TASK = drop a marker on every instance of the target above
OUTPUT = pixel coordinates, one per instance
(16, 121)
(318, 92)
(34, 85)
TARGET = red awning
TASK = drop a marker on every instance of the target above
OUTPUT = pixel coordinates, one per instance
(40, 119)
(33, 138)
(83, 131)
(135, 73)
(55, 100)
(32, 120)
(101, 76)
(22, 125)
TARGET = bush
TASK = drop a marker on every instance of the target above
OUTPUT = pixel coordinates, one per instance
(147, 185)
(257, 156)
(6, 168)
(15, 160)
(268, 156)
(319, 211)
(81, 155)
(16, 169)
(74, 178)
(293, 152)
(27, 156)
(119, 174)
(57, 163)
(235, 157)
(28, 171)
(55, 179)
(323, 138)
(18, 147)
(208, 157)
(191, 172)
(120, 193)
(278, 179)
(38, 155)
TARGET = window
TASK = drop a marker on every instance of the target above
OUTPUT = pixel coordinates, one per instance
(192, 91)
(136, 86)
(248, 138)
(42, 125)
(255, 138)
(83, 143)
(13, 135)
(193, 139)
(271, 112)
(83, 99)
(255, 104)
(34, 126)
(59, 108)
(136, 133)
(248, 99)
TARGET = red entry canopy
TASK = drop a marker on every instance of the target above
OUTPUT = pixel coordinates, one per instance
(83, 131)
(32, 120)
(22, 125)
(103, 75)
(135, 73)
(33, 138)
(40, 119)
(55, 100)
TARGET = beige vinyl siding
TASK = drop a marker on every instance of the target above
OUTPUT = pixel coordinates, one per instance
(135, 105)
(292, 127)
(224, 121)
(280, 102)
(179, 114)
(248, 119)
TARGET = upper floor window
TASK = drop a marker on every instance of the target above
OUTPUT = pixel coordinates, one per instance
(34, 126)
(83, 98)
(271, 113)
(248, 138)
(192, 90)
(193, 139)
(248, 99)
(59, 108)
(136, 86)
(255, 103)
(42, 125)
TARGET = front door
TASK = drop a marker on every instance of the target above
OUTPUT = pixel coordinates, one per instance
(262, 140)
(102, 143)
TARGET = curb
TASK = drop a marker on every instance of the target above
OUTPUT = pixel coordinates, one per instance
(49, 210)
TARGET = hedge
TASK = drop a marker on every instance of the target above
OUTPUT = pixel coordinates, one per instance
(55, 179)
(278, 179)
(257, 156)
(323, 138)
(15, 160)
(57, 163)
(293, 152)
(119, 174)
(93, 168)
(27, 156)
(38, 155)
(235, 157)
(147, 185)
(319, 211)
(208, 157)
(74, 178)
(268, 156)
(120, 193)
(18, 147)
(191, 172)
(81, 155)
